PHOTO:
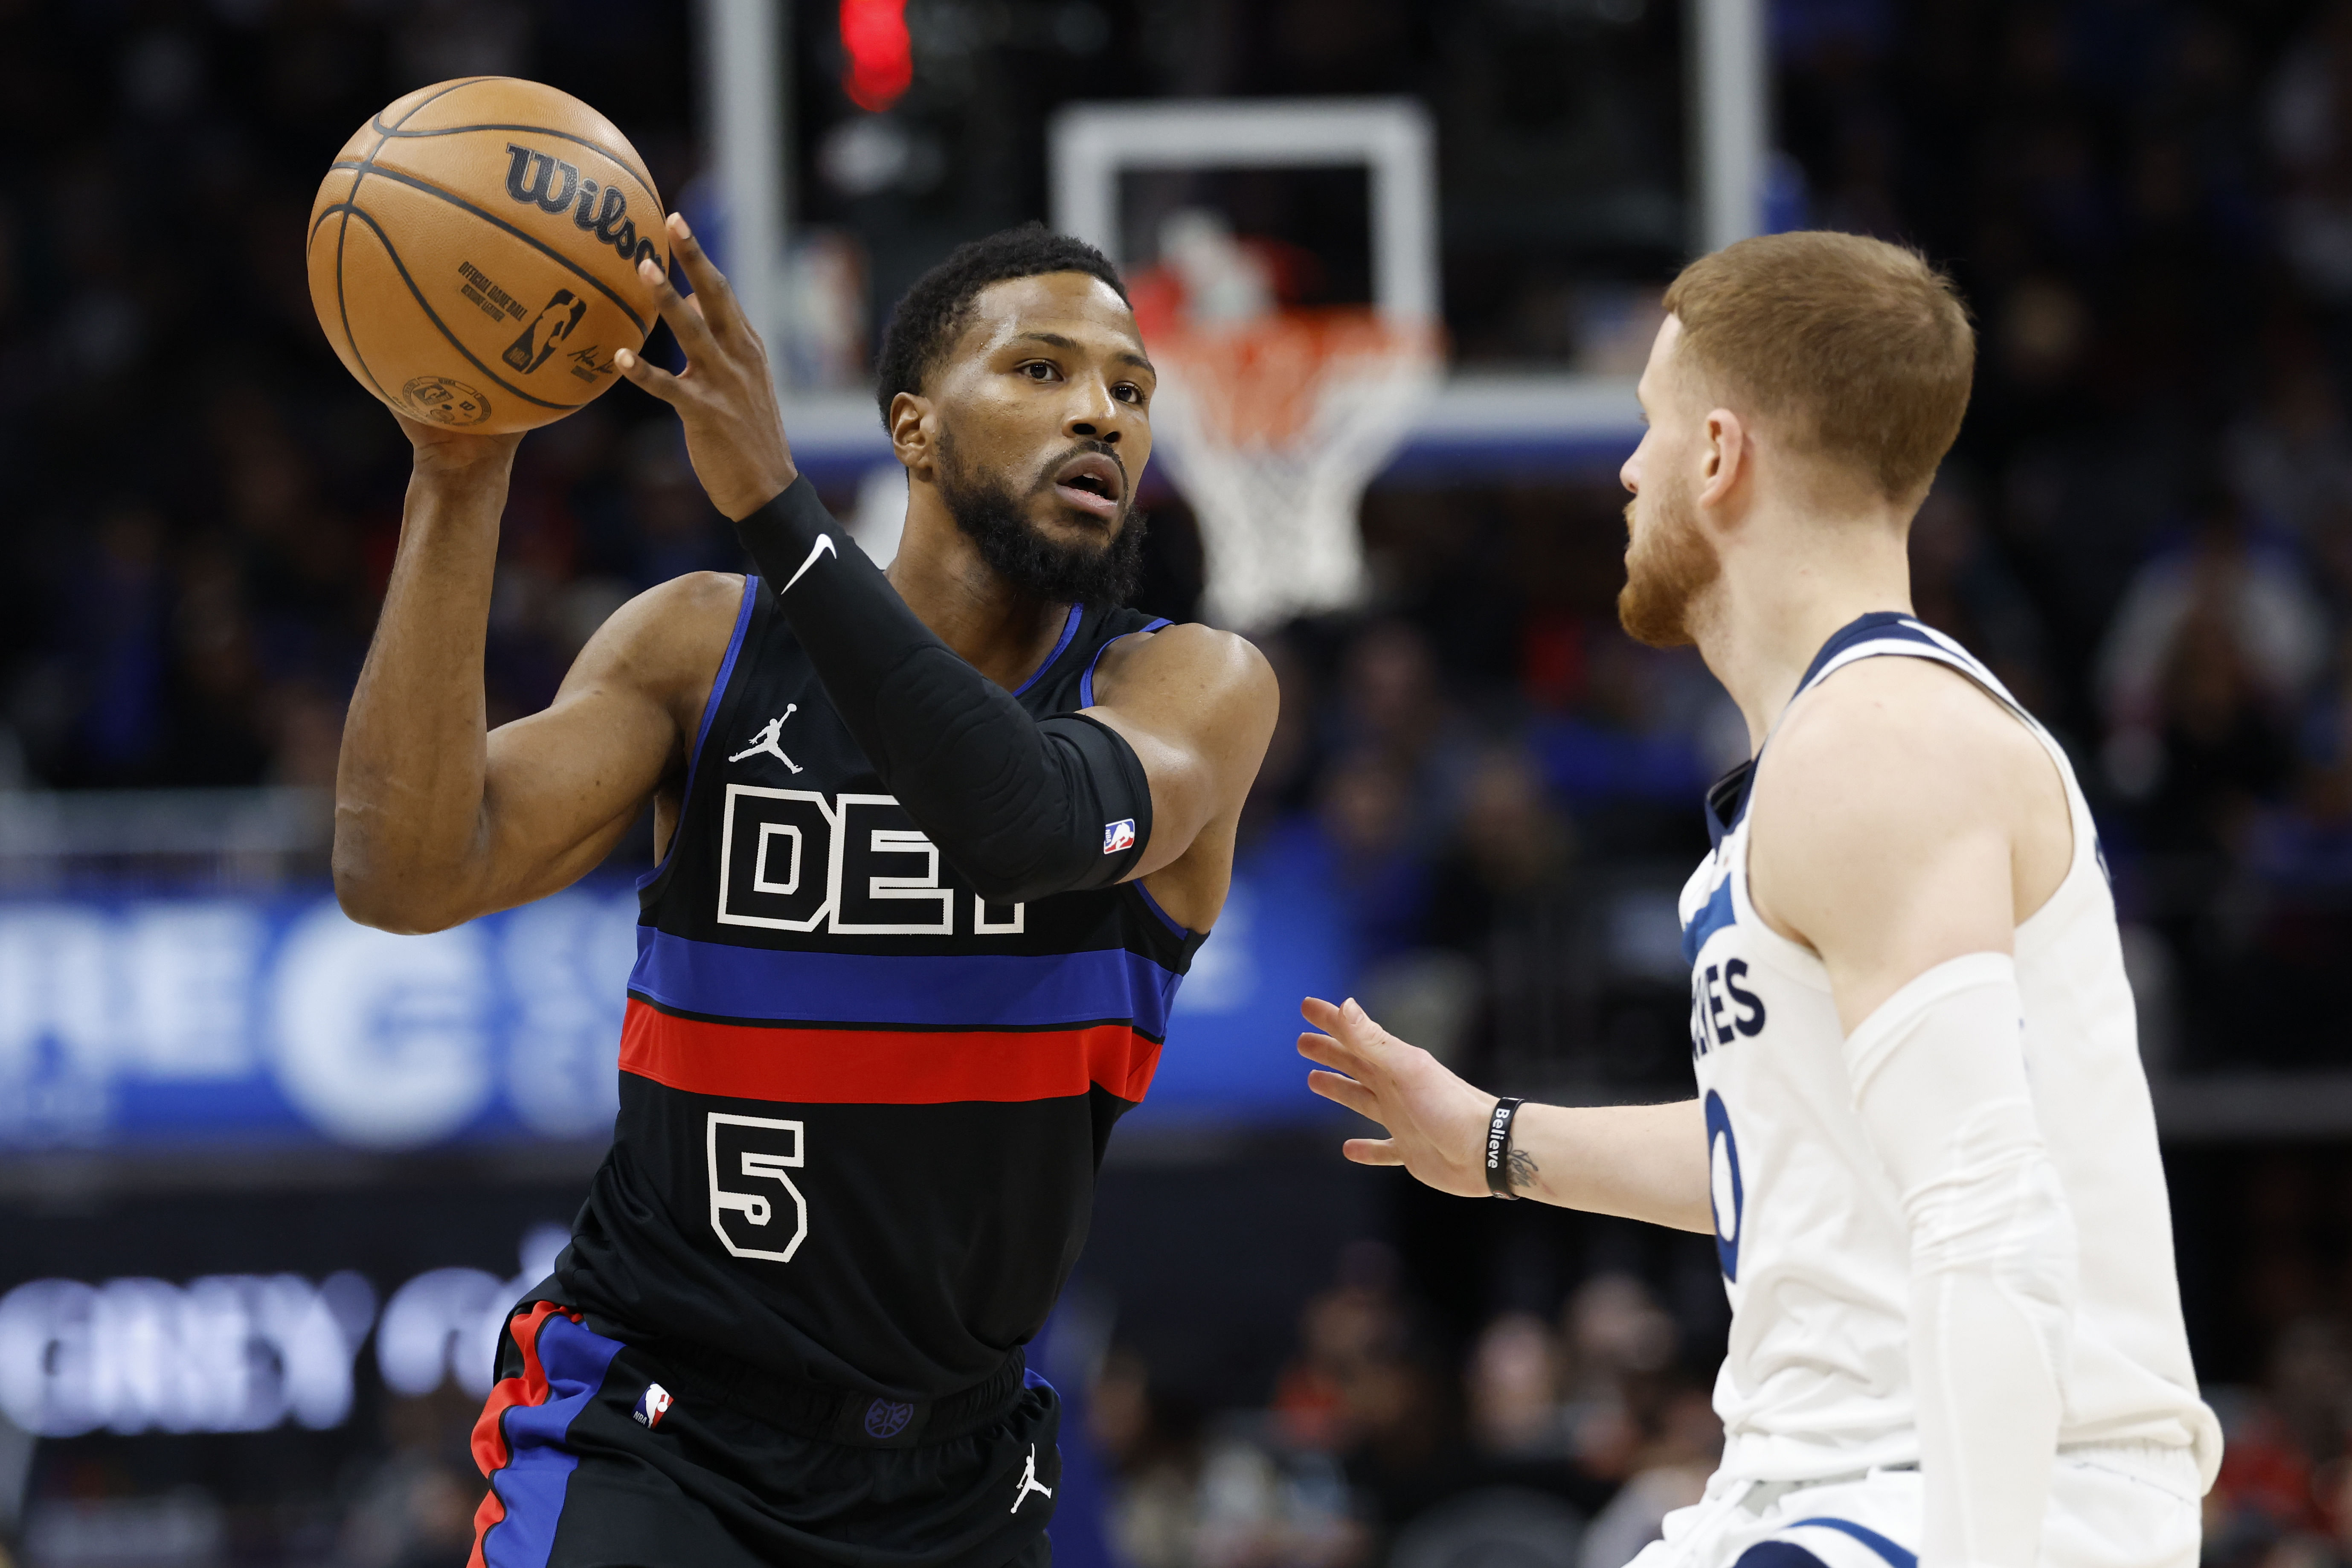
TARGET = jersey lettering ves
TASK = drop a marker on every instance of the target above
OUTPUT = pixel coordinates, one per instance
(861, 1108)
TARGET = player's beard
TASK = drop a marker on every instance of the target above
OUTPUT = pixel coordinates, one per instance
(994, 518)
(1668, 565)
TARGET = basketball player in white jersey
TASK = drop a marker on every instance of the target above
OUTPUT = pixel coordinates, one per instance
(1922, 1138)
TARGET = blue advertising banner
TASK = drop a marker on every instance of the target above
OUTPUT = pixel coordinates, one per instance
(138, 1021)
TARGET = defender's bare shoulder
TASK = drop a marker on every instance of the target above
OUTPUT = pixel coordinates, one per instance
(1902, 816)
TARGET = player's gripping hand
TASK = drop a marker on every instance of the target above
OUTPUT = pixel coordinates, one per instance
(441, 451)
(1436, 1124)
(725, 397)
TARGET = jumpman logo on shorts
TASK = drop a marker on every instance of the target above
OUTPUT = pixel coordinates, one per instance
(766, 740)
(1029, 1482)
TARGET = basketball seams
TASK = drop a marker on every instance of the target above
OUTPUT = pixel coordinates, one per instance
(350, 205)
(601, 150)
(342, 301)
(416, 183)
(417, 108)
(392, 255)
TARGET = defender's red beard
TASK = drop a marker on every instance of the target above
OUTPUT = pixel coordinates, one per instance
(1668, 564)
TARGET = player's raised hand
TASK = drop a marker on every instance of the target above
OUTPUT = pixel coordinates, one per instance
(725, 397)
(1436, 1124)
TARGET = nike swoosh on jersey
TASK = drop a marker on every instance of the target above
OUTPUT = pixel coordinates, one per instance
(824, 546)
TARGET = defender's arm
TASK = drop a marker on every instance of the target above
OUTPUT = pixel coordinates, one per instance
(1902, 828)
(1639, 1161)
(438, 819)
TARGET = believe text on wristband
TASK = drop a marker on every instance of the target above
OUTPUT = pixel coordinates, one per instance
(1498, 1148)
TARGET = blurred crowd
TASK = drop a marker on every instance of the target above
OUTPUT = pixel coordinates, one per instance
(1556, 1441)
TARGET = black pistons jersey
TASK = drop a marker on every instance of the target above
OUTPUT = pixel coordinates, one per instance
(862, 1111)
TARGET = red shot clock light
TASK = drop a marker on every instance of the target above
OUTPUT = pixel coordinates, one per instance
(881, 63)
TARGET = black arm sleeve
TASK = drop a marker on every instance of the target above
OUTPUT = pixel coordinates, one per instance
(1022, 807)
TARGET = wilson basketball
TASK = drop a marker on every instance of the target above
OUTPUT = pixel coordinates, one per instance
(474, 253)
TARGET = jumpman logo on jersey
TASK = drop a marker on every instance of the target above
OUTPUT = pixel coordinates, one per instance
(824, 546)
(766, 740)
(1029, 1482)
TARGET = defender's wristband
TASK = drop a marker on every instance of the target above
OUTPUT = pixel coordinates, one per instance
(1498, 1147)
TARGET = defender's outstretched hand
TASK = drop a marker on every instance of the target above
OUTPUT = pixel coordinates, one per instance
(725, 397)
(1436, 1124)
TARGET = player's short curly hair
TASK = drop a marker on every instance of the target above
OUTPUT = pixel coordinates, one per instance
(931, 314)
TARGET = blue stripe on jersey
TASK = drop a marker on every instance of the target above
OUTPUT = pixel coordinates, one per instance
(1778, 1554)
(1879, 626)
(538, 1471)
(1069, 630)
(971, 990)
(1717, 915)
(1086, 680)
(1873, 626)
(710, 712)
(1897, 1556)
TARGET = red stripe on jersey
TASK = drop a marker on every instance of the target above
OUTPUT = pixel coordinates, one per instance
(883, 1067)
(490, 1452)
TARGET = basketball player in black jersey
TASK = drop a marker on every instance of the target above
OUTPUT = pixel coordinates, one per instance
(935, 850)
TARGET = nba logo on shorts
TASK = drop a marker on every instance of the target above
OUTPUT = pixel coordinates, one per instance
(652, 1404)
(1119, 836)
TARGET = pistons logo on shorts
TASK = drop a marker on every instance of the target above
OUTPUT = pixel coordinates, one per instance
(652, 1405)
(1119, 836)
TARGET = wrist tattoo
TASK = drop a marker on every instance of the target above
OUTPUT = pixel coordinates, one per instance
(1520, 1169)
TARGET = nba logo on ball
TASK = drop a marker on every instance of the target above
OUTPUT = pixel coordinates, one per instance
(1119, 836)
(652, 1404)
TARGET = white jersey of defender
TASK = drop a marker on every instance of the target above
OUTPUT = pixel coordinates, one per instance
(1811, 1235)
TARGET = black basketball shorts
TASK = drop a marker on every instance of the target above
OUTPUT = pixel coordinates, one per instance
(600, 1456)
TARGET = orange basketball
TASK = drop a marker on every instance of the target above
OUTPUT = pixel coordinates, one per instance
(474, 253)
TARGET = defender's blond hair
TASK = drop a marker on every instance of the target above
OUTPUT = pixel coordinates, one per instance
(1853, 348)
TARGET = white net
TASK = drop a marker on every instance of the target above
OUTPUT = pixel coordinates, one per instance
(1271, 422)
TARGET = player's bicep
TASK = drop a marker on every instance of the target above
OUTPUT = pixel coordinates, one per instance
(1198, 707)
(564, 785)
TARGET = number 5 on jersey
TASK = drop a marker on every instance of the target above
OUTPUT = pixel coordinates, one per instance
(752, 1151)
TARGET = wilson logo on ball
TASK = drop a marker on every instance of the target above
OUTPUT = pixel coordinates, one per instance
(548, 183)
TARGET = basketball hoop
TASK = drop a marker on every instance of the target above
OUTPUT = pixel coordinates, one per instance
(1272, 422)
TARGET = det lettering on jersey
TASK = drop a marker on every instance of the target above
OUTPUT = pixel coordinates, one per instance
(1723, 1009)
(853, 865)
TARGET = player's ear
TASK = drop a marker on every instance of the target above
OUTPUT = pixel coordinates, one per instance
(913, 433)
(1725, 454)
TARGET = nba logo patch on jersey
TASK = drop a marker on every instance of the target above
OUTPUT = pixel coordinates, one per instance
(652, 1404)
(1119, 836)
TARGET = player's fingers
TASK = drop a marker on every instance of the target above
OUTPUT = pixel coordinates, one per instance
(1323, 1048)
(1341, 1089)
(1372, 1152)
(723, 314)
(1356, 1029)
(636, 367)
(1319, 1013)
(693, 332)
